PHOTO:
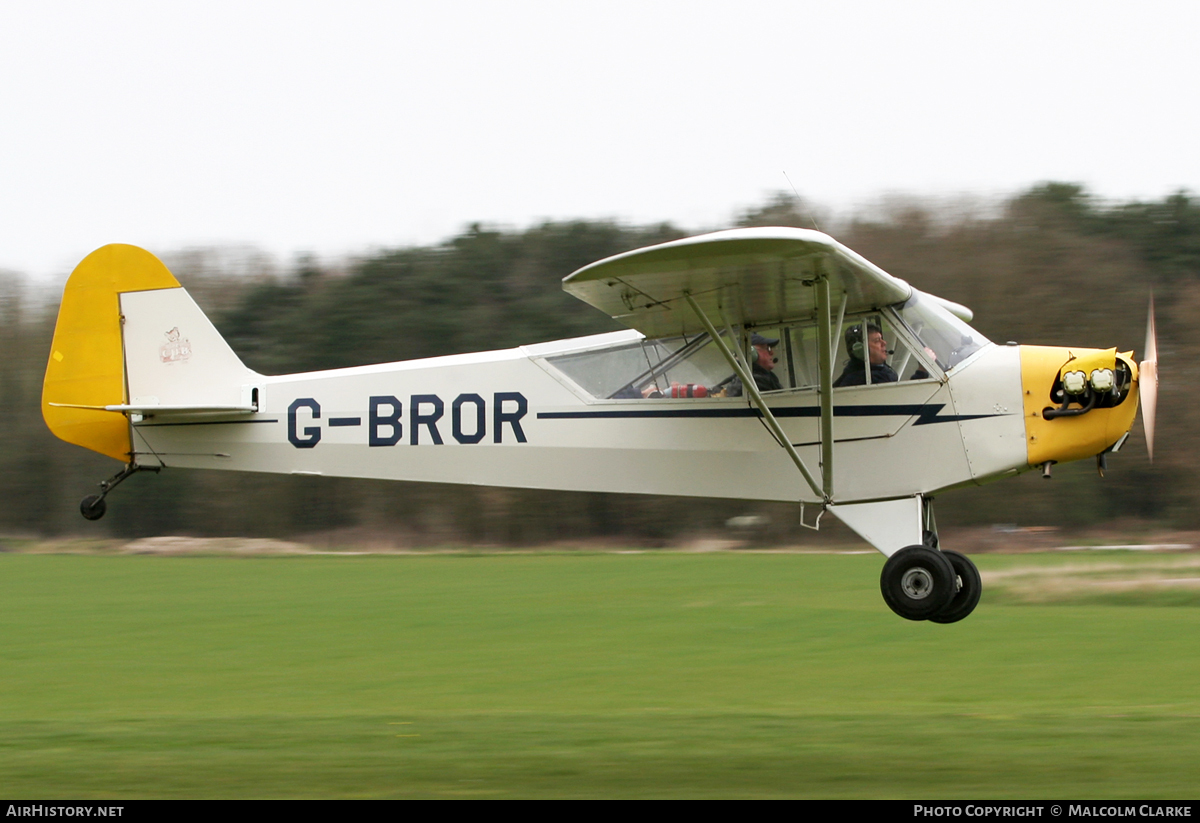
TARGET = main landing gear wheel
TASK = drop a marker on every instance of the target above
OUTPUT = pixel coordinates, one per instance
(970, 586)
(918, 582)
(93, 507)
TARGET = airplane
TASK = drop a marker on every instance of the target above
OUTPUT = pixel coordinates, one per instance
(675, 404)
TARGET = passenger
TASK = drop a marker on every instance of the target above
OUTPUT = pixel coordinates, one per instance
(763, 368)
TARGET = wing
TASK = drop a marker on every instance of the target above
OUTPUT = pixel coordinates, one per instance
(753, 277)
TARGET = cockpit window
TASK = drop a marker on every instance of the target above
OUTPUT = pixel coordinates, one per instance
(780, 358)
(670, 367)
(871, 352)
(951, 340)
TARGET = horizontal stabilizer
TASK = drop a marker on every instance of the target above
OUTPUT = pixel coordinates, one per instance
(174, 410)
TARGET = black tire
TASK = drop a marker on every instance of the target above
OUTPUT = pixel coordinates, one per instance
(93, 507)
(918, 582)
(970, 586)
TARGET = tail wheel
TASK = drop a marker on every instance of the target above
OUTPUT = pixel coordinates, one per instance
(970, 586)
(918, 582)
(93, 507)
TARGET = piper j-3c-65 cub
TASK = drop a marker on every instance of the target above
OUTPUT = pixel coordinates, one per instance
(801, 370)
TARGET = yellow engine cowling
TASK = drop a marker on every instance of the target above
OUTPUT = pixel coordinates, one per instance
(1082, 433)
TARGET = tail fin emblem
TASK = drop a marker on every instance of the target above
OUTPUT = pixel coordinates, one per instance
(176, 348)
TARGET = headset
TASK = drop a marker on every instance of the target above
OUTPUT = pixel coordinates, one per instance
(854, 339)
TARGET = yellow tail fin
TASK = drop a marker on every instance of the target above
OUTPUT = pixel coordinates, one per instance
(87, 362)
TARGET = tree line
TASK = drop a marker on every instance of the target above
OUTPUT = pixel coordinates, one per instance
(1052, 265)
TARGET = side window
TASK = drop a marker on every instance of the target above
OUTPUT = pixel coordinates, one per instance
(790, 363)
(670, 367)
(607, 372)
(873, 339)
(803, 363)
(781, 358)
(700, 372)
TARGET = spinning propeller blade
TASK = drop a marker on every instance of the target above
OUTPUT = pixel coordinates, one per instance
(1148, 381)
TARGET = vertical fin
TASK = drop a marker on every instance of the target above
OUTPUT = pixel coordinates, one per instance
(174, 356)
(87, 363)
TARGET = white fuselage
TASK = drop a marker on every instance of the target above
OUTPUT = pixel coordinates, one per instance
(509, 418)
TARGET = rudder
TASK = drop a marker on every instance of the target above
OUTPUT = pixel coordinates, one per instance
(125, 334)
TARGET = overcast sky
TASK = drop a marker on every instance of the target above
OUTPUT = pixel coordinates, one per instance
(338, 127)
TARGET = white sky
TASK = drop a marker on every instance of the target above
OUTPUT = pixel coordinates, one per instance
(337, 127)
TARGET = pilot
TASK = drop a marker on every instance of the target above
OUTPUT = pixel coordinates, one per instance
(763, 368)
(855, 373)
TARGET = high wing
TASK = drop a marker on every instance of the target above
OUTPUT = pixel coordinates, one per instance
(747, 277)
(751, 277)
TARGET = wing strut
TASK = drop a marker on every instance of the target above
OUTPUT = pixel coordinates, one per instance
(825, 366)
(751, 388)
(837, 327)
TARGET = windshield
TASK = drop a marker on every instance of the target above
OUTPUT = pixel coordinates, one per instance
(951, 340)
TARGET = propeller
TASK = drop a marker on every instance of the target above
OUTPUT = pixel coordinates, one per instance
(1148, 381)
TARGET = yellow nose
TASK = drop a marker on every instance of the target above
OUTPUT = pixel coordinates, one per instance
(1061, 380)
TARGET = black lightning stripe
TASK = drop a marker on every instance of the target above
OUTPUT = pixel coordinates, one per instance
(926, 414)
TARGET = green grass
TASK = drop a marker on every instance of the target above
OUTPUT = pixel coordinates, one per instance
(644, 675)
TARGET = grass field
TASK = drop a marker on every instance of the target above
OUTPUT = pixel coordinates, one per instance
(597, 675)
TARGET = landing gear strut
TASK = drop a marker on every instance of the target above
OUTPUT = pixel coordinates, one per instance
(93, 506)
